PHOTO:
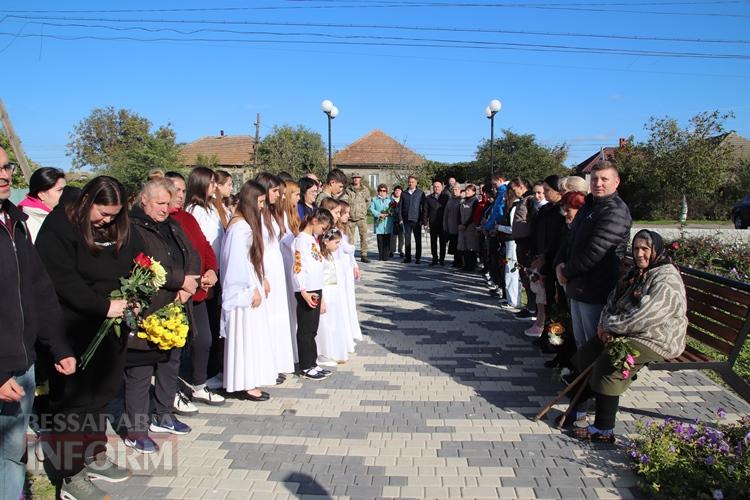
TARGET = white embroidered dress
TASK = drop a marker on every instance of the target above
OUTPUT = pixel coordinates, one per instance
(333, 339)
(349, 264)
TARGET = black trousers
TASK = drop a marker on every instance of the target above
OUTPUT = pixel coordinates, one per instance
(384, 246)
(216, 353)
(137, 389)
(493, 260)
(438, 238)
(414, 228)
(308, 320)
(606, 408)
(194, 366)
(76, 427)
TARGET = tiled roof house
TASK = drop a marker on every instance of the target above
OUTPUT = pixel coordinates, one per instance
(379, 158)
(233, 153)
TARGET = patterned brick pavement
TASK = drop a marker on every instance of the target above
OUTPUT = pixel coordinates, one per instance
(436, 403)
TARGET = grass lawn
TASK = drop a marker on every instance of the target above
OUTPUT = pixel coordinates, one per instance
(39, 487)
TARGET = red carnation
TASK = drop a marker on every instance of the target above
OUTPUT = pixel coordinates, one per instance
(143, 260)
(675, 245)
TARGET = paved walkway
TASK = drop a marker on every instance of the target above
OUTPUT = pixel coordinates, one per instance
(436, 404)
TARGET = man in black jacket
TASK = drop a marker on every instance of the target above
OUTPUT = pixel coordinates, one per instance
(29, 311)
(412, 215)
(434, 210)
(588, 262)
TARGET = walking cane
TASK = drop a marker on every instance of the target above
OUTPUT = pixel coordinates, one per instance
(583, 377)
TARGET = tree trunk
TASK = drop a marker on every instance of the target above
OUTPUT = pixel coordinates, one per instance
(684, 209)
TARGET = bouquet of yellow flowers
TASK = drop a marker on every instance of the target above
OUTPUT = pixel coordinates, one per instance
(167, 327)
(147, 277)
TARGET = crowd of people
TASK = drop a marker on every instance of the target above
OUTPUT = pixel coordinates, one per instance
(266, 278)
(563, 240)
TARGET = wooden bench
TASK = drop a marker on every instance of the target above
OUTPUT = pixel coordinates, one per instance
(718, 311)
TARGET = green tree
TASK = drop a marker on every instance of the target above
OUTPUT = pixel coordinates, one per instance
(120, 143)
(519, 155)
(692, 162)
(294, 150)
(19, 181)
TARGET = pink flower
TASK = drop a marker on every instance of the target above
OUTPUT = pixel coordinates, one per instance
(625, 373)
(630, 359)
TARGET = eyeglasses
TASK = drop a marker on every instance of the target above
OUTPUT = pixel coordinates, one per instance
(382, 190)
(9, 167)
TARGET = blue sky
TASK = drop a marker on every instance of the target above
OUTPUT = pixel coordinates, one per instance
(431, 98)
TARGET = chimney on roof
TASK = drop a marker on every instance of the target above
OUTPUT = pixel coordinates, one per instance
(623, 142)
(221, 133)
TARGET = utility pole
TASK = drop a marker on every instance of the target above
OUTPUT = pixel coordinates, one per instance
(14, 142)
(257, 140)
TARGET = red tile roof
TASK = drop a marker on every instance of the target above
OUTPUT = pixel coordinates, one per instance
(377, 148)
(230, 150)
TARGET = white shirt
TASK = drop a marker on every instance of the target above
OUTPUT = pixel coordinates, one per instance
(210, 223)
(307, 273)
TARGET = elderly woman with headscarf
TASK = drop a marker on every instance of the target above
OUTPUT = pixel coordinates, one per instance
(648, 308)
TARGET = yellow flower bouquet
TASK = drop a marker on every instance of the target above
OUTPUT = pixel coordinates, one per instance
(167, 327)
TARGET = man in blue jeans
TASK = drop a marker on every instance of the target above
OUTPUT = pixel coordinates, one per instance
(588, 262)
(29, 311)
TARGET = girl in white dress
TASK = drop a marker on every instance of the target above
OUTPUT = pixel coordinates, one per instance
(249, 360)
(333, 343)
(308, 290)
(273, 266)
(351, 274)
(290, 199)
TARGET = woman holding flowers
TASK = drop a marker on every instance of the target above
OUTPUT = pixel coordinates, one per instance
(382, 209)
(643, 321)
(249, 361)
(155, 349)
(87, 248)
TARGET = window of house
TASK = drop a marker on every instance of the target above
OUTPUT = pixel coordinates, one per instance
(373, 180)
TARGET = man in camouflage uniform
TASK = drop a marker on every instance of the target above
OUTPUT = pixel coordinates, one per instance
(359, 197)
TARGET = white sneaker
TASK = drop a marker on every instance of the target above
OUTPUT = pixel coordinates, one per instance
(208, 397)
(183, 406)
(506, 305)
(215, 382)
(324, 361)
(534, 331)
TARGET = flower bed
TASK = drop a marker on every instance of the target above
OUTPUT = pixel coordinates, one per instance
(696, 461)
(712, 255)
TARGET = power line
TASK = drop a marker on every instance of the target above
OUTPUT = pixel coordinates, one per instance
(377, 26)
(417, 43)
(352, 4)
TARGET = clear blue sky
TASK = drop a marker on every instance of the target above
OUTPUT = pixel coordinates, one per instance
(432, 98)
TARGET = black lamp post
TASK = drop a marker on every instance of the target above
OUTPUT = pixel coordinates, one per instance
(490, 111)
(332, 112)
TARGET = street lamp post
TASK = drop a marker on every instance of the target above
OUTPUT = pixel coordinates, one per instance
(490, 111)
(332, 112)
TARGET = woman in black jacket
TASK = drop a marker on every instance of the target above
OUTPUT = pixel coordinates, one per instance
(86, 249)
(165, 242)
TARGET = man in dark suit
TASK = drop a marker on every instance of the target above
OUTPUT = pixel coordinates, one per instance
(434, 209)
(412, 215)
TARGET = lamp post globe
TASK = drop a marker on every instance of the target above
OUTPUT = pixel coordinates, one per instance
(490, 111)
(331, 112)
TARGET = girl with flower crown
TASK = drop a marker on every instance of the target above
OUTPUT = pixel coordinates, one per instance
(307, 277)
(332, 340)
